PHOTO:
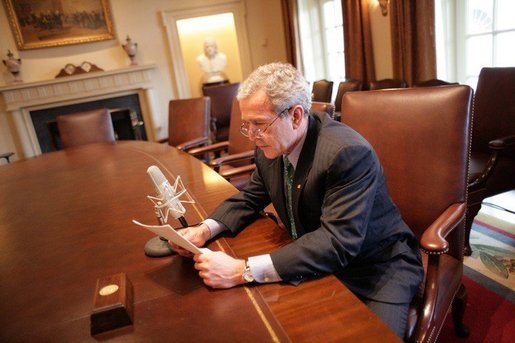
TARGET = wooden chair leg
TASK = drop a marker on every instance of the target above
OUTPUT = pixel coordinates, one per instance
(458, 311)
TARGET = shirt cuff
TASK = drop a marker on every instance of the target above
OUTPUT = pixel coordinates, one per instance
(214, 226)
(262, 269)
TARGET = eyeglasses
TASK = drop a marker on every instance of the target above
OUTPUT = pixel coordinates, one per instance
(246, 130)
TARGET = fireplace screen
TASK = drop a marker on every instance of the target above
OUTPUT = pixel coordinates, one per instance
(125, 113)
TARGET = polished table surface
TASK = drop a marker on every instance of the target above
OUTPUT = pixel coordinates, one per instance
(65, 221)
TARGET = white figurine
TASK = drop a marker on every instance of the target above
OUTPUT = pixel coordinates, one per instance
(212, 62)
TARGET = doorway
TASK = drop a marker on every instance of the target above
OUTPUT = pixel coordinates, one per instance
(188, 28)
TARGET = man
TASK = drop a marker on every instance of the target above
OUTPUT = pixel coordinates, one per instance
(340, 214)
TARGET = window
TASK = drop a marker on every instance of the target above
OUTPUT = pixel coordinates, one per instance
(472, 34)
(321, 36)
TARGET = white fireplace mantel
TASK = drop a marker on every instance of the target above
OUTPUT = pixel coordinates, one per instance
(21, 98)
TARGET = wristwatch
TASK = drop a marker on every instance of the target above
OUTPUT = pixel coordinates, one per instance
(247, 273)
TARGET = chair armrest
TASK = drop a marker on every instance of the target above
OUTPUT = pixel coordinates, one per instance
(434, 244)
(497, 147)
(209, 148)
(237, 171)
(433, 240)
(242, 156)
(193, 143)
(502, 143)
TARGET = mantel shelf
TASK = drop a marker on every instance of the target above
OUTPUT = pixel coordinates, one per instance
(23, 95)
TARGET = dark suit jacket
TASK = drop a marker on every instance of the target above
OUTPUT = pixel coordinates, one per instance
(346, 221)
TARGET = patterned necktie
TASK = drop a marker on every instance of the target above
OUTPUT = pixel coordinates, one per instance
(288, 180)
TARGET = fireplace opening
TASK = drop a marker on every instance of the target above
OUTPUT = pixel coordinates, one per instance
(125, 113)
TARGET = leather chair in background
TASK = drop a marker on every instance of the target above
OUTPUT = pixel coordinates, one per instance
(322, 91)
(424, 154)
(492, 165)
(433, 83)
(349, 85)
(188, 123)
(386, 84)
(238, 162)
(221, 101)
(326, 107)
(86, 128)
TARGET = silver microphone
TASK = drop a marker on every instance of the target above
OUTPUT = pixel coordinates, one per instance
(167, 195)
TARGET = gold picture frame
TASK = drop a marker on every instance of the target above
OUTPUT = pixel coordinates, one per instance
(49, 23)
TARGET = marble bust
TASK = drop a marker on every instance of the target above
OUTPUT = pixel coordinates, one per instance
(212, 62)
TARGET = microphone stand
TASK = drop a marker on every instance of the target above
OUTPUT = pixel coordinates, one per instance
(158, 246)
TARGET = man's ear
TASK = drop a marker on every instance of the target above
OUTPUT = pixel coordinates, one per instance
(297, 115)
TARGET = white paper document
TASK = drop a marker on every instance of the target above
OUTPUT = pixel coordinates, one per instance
(170, 234)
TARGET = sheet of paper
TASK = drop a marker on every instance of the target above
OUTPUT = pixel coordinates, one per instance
(170, 234)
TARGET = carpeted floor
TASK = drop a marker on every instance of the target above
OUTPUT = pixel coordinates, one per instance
(490, 276)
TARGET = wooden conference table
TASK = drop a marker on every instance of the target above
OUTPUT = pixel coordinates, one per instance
(65, 221)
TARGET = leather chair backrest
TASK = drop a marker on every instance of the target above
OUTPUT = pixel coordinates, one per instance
(221, 102)
(237, 142)
(387, 83)
(188, 119)
(322, 91)
(348, 85)
(422, 138)
(433, 83)
(86, 127)
(494, 106)
(326, 107)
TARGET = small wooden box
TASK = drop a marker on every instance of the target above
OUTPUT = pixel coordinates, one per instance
(113, 306)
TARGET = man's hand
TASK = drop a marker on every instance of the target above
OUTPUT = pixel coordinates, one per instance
(198, 235)
(219, 270)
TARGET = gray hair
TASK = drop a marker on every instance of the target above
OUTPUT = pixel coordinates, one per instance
(283, 84)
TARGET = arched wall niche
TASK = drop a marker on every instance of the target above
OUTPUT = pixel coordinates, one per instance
(186, 74)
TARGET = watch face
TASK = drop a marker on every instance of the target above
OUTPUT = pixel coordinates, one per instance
(247, 274)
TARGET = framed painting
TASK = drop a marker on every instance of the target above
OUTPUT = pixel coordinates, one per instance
(48, 23)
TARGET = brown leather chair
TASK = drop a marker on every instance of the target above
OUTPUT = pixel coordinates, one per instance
(86, 127)
(492, 165)
(322, 91)
(221, 102)
(434, 83)
(188, 123)
(327, 107)
(386, 84)
(424, 154)
(349, 85)
(238, 163)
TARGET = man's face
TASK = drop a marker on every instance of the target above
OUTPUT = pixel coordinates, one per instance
(277, 138)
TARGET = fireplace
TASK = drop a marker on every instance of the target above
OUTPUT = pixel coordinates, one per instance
(33, 106)
(125, 113)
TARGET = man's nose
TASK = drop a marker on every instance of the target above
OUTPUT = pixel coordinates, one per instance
(252, 136)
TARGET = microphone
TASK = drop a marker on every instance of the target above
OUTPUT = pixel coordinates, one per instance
(167, 201)
(167, 195)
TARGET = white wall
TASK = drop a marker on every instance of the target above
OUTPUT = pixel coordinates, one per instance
(381, 42)
(141, 20)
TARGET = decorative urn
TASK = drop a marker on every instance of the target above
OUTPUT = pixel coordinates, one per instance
(131, 49)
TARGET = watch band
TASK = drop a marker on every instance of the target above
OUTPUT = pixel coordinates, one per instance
(247, 273)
